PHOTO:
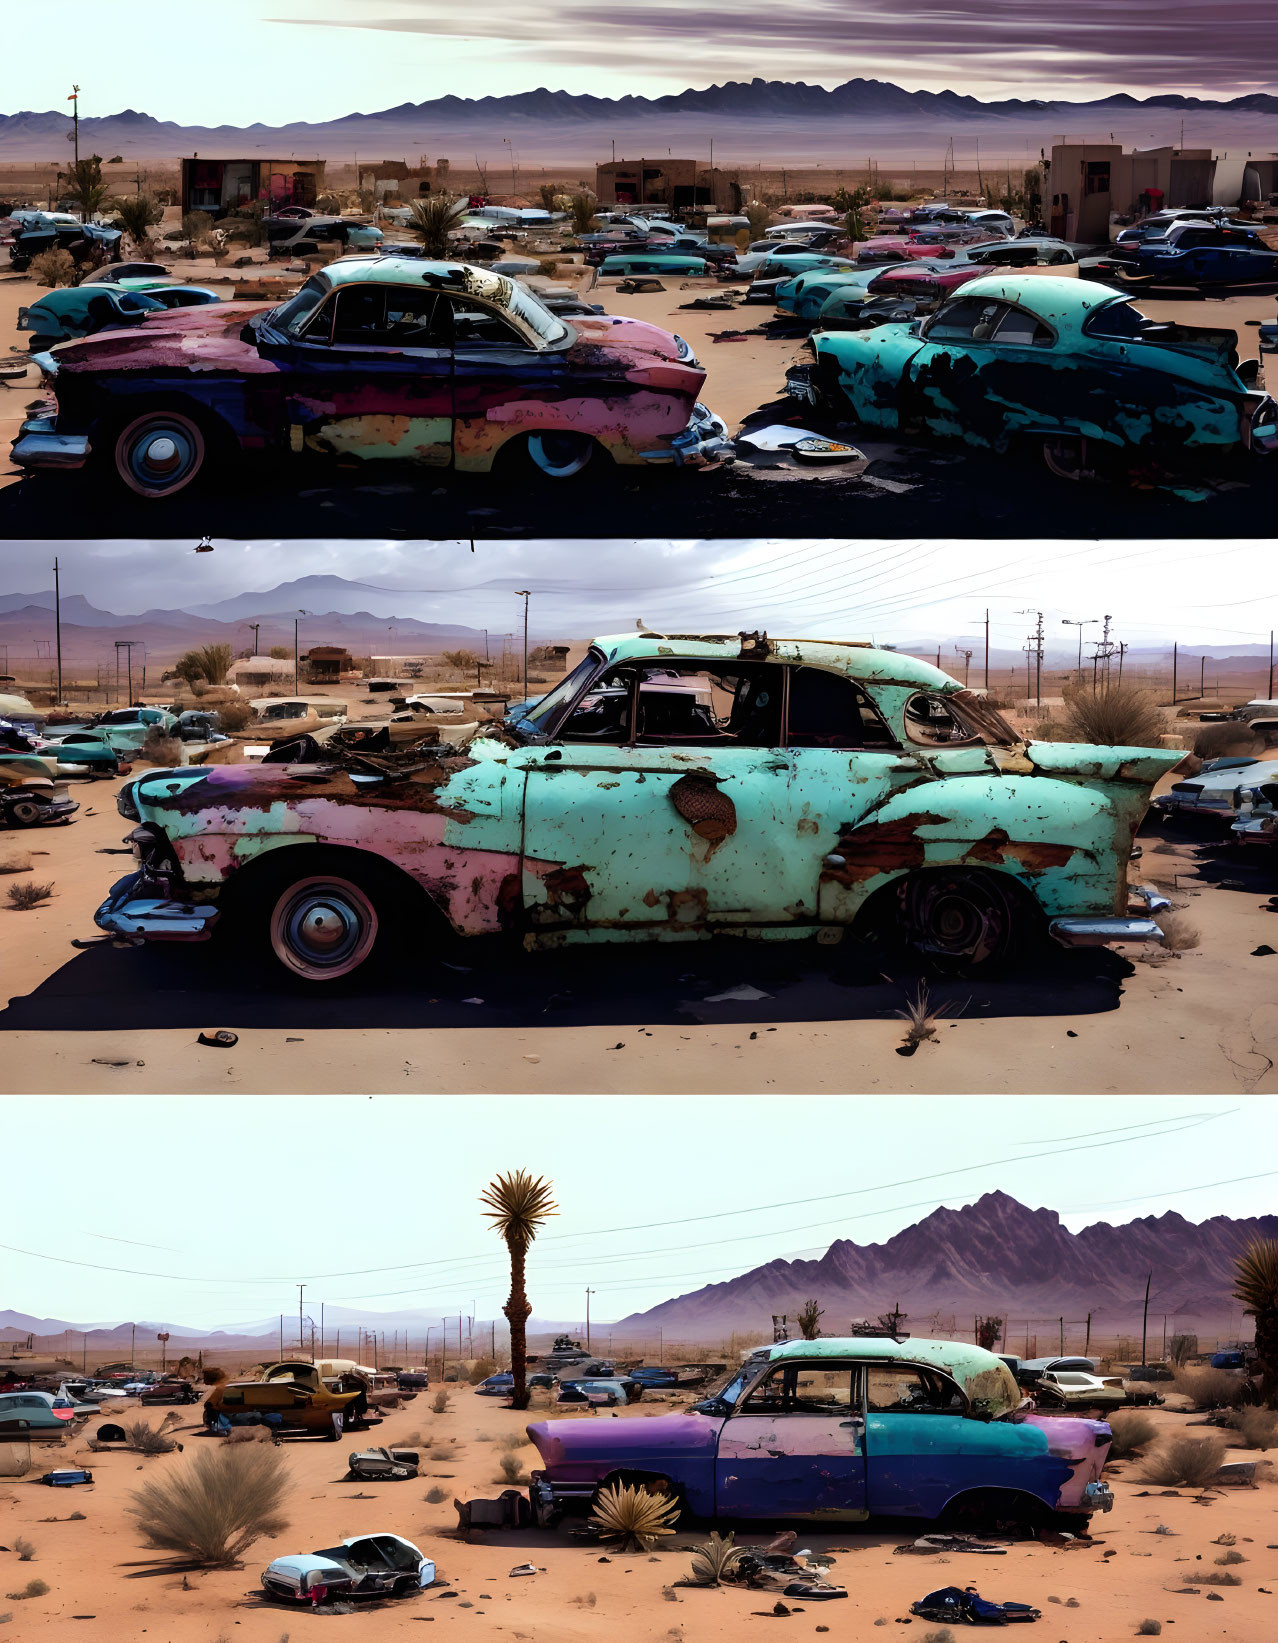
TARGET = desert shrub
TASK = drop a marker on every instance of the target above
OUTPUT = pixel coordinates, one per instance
(442, 1451)
(1212, 741)
(1179, 935)
(216, 1506)
(942, 1634)
(54, 268)
(759, 216)
(23, 1547)
(435, 1495)
(510, 1469)
(146, 1440)
(1132, 1430)
(1256, 1428)
(197, 226)
(713, 1559)
(233, 716)
(212, 1375)
(33, 1588)
(440, 1401)
(1150, 1628)
(1117, 716)
(22, 897)
(208, 662)
(633, 1518)
(1210, 1388)
(1230, 1557)
(159, 748)
(582, 206)
(480, 1370)
(1191, 1462)
(135, 214)
(279, 653)
(1211, 1578)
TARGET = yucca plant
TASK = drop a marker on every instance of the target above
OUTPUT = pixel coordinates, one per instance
(632, 1518)
(135, 214)
(431, 220)
(1256, 1286)
(714, 1559)
(519, 1205)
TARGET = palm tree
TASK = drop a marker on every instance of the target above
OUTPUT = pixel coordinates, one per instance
(135, 214)
(1256, 1286)
(433, 218)
(518, 1206)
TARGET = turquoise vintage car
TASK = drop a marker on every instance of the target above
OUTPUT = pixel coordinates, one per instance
(671, 787)
(671, 264)
(806, 294)
(83, 310)
(1066, 364)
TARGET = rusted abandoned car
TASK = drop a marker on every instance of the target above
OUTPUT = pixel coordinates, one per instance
(670, 786)
(1068, 365)
(840, 1431)
(437, 363)
(289, 1396)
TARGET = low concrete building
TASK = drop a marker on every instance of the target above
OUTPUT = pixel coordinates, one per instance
(1090, 183)
(251, 673)
(669, 183)
(219, 186)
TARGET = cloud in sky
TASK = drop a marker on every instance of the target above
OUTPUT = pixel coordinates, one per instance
(895, 592)
(319, 59)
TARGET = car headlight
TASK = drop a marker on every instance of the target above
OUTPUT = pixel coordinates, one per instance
(126, 804)
(684, 353)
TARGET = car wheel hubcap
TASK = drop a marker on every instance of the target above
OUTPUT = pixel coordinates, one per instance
(957, 921)
(560, 454)
(323, 928)
(161, 455)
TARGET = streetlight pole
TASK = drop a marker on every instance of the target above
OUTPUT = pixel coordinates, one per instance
(300, 1288)
(1089, 622)
(57, 620)
(589, 1293)
(525, 594)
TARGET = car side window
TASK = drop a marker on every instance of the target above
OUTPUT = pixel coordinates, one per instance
(829, 710)
(702, 705)
(1023, 330)
(388, 316)
(603, 713)
(966, 319)
(474, 325)
(805, 1389)
(892, 1389)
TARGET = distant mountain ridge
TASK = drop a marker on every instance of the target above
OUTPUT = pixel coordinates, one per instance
(995, 1255)
(855, 103)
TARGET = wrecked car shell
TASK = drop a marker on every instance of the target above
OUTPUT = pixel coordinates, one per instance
(840, 1431)
(375, 358)
(1060, 361)
(883, 791)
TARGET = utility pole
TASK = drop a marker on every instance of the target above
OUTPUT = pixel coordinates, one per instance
(1035, 647)
(74, 100)
(589, 1293)
(967, 662)
(321, 1329)
(525, 594)
(300, 1343)
(1271, 664)
(296, 619)
(281, 1335)
(125, 645)
(1175, 647)
(133, 1347)
(57, 621)
(257, 628)
(1144, 1325)
(1122, 651)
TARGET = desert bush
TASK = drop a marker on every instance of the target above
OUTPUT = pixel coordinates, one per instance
(1191, 1462)
(1150, 1628)
(759, 216)
(432, 220)
(1132, 1430)
(1179, 934)
(511, 1469)
(216, 1506)
(146, 1440)
(233, 716)
(22, 897)
(1227, 1558)
(1256, 1428)
(942, 1634)
(920, 1016)
(633, 1518)
(212, 1375)
(443, 1451)
(33, 1588)
(197, 226)
(440, 1401)
(159, 748)
(1210, 1388)
(1211, 1578)
(211, 663)
(481, 1369)
(54, 268)
(713, 1559)
(1113, 716)
(135, 214)
(583, 205)
(23, 1547)
(435, 1495)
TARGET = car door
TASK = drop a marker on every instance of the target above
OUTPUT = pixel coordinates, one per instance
(983, 370)
(500, 380)
(371, 375)
(915, 1440)
(795, 1445)
(664, 805)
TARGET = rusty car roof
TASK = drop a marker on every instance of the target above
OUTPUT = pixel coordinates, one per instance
(1051, 296)
(851, 656)
(392, 270)
(980, 1373)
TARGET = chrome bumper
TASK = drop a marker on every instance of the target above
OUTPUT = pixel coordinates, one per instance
(39, 445)
(1099, 932)
(705, 440)
(130, 912)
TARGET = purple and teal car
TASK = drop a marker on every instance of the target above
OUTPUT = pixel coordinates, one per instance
(839, 1431)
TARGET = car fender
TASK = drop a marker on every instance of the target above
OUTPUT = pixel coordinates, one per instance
(868, 368)
(1066, 844)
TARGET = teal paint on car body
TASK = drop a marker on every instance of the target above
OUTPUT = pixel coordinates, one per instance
(776, 787)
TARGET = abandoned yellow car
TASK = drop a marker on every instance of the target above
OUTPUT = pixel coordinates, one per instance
(288, 1396)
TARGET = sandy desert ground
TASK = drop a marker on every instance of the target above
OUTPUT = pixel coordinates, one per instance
(635, 1021)
(1147, 1559)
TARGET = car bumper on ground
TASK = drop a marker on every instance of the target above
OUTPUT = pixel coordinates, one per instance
(40, 445)
(140, 907)
(1100, 931)
(702, 443)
